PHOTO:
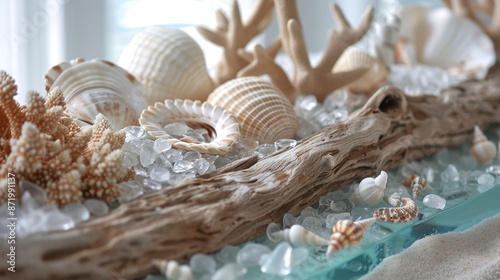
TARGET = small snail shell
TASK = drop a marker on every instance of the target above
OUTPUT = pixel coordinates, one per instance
(299, 236)
(417, 184)
(370, 190)
(482, 149)
(405, 213)
(347, 233)
(172, 270)
(393, 199)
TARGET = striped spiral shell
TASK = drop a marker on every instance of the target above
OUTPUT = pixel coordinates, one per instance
(347, 233)
(417, 184)
(299, 236)
(402, 214)
(264, 113)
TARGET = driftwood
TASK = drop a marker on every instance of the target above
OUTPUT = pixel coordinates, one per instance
(236, 203)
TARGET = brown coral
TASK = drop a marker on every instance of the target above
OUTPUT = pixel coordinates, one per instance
(39, 143)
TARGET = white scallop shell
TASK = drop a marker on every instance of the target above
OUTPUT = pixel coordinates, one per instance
(353, 58)
(168, 63)
(264, 113)
(370, 190)
(450, 41)
(98, 86)
(482, 149)
(220, 123)
(299, 236)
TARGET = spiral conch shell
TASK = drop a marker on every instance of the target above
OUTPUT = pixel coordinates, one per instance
(402, 214)
(482, 149)
(98, 86)
(221, 125)
(299, 236)
(173, 270)
(417, 185)
(168, 63)
(370, 190)
(264, 113)
(347, 233)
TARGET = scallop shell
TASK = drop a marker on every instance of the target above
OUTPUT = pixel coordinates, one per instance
(402, 214)
(482, 149)
(264, 113)
(299, 236)
(168, 63)
(173, 271)
(417, 184)
(353, 58)
(370, 190)
(222, 126)
(98, 86)
(449, 41)
(347, 233)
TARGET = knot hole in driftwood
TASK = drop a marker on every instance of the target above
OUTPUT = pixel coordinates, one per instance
(389, 100)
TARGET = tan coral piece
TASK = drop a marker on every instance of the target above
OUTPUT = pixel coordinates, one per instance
(9, 106)
(264, 113)
(66, 190)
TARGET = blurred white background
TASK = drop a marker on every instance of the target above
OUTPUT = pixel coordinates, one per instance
(42, 33)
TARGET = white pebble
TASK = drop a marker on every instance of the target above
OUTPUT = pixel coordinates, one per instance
(202, 264)
(485, 179)
(96, 207)
(434, 201)
(227, 254)
(279, 262)
(251, 253)
(229, 271)
(77, 212)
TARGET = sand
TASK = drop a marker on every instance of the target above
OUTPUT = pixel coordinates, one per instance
(472, 254)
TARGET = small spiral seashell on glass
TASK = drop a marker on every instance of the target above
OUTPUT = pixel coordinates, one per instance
(402, 214)
(221, 125)
(98, 86)
(299, 236)
(393, 199)
(264, 113)
(347, 233)
(173, 270)
(168, 63)
(417, 184)
(370, 190)
(482, 149)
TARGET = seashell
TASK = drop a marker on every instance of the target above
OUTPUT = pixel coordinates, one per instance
(347, 233)
(370, 190)
(168, 63)
(417, 185)
(98, 86)
(482, 149)
(299, 236)
(353, 58)
(446, 40)
(386, 38)
(173, 271)
(393, 199)
(221, 125)
(402, 214)
(264, 113)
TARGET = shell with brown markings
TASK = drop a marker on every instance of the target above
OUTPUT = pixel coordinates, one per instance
(347, 233)
(405, 213)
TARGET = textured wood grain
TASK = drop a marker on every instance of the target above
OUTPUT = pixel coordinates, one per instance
(235, 204)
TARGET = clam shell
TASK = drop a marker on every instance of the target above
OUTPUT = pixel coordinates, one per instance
(168, 63)
(98, 86)
(482, 149)
(449, 41)
(264, 113)
(353, 58)
(221, 124)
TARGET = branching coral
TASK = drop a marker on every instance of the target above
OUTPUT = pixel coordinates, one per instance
(39, 143)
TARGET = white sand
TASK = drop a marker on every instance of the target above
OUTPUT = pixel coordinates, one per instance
(472, 254)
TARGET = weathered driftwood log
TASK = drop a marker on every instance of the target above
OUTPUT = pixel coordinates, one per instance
(236, 203)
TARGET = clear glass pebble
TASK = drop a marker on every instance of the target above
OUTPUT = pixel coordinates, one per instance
(227, 254)
(29, 204)
(307, 102)
(229, 271)
(129, 159)
(193, 136)
(57, 220)
(271, 229)
(160, 174)
(133, 132)
(131, 190)
(37, 193)
(96, 207)
(182, 166)
(450, 174)
(309, 212)
(494, 169)
(279, 262)
(161, 145)
(265, 150)
(202, 264)
(221, 161)
(202, 165)
(288, 220)
(339, 115)
(192, 156)
(147, 155)
(174, 155)
(77, 212)
(176, 129)
(332, 219)
(337, 99)
(434, 201)
(429, 174)
(251, 253)
(248, 144)
(284, 143)
(360, 213)
(485, 179)
(311, 223)
(152, 184)
(299, 255)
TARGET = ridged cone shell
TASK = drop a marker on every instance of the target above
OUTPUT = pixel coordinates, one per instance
(417, 184)
(264, 113)
(482, 149)
(169, 64)
(352, 59)
(98, 86)
(196, 114)
(347, 233)
(299, 236)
